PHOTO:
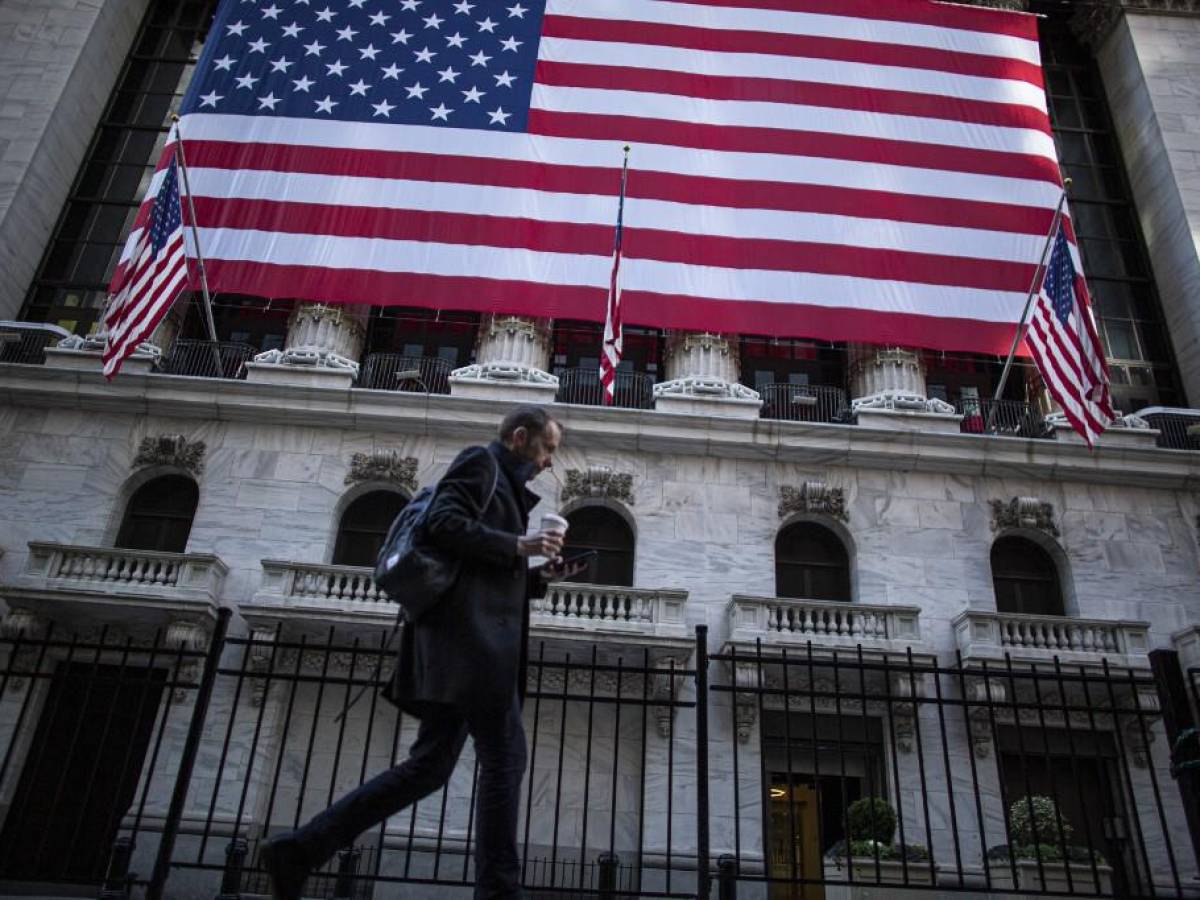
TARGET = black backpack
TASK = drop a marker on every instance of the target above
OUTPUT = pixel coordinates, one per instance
(409, 568)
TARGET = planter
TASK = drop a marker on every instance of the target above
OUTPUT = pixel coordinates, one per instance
(1083, 878)
(864, 870)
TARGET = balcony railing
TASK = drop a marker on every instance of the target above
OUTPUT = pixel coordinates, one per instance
(395, 372)
(1013, 418)
(26, 342)
(805, 403)
(197, 359)
(784, 620)
(1178, 429)
(992, 635)
(307, 584)
(631, 390)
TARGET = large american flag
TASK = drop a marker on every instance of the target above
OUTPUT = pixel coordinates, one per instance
(1065, 346)
(866, 170)
(145, 288)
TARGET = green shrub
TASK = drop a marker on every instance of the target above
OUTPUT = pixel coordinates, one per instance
(871, 819)
(1046, 825)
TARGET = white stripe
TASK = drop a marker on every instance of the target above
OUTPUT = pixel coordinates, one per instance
(591, 209)
(788, 116)
(792, 68)
(149, 281)
(742, 18)
(1059, 346)
(637, 275)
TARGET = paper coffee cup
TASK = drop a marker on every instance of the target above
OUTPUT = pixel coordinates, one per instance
(555, 523)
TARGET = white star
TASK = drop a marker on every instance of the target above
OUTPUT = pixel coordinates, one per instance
(326, 105)
(498, 116)
(359, 87)
(368, 52)
(440, 112)
(246, 81)
(313, 49)
(268, 102)
(433, 21)
(299, 2)
(400, 37)
(410, 5)
(383, 108)
(224, 62)
(511, 44)
(357, 4)
(237, 28)
(346, 33)
(455, 40)
(210, 99)
(281, 64)
(518, 11)
(303, 84)
(392, 71)
(416, 90)
(464, 7)
(336, 68)
(448, 74)
(480, 59)
(473, 95)
(259, 46)
(425, 55)
(326, 15)
(292, 30)
(272, 12)
(487, 25)
(379, 19)
(504, 80)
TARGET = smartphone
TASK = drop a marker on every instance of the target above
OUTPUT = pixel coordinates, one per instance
(578, 559)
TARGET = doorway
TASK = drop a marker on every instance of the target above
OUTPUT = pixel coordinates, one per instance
(80, 773)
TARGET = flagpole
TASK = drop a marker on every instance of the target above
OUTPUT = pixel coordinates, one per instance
(606, 390)
(187, 188)
(1033, 289)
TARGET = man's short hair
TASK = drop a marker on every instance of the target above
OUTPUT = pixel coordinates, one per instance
(535, 419)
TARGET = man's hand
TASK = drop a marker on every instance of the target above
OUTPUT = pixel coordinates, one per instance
(558, 569)
(544, 543)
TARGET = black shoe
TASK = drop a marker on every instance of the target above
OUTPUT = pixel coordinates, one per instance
(285, 867)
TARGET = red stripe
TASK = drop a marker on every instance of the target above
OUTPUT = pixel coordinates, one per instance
(692, 189)
(117, 316)
(793, 143)
(917, 12)
(588, 303)
(778, 90)
(714, 40)
(1065, 379)
(639, 243)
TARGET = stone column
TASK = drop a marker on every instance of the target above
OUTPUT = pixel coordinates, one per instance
(702, 377)
(887, 390)
(512, 356)
(324, 343)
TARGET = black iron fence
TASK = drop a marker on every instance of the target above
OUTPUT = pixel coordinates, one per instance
(1014, 418)
(25, 345)
(631, 390)
(153, 762)
(205, 359)
(396, 372)
(805, 403)
(1178, 429)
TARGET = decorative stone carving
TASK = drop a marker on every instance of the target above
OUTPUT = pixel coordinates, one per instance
(171, 450)
(598, 481)
(21, 625)
(191, 638)
(1024, 512)
(813, 497)
(700, 364)
(984, 691)
(887, 378)
(1130, 421)
(260, 651)
(904, 714)
(1093, 22)
(389, 467)
(324, 335)
(664, 688)
(513, 349)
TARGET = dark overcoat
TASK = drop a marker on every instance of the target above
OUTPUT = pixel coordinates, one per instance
(470, 647)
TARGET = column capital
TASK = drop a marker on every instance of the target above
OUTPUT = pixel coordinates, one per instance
(512, 356)
(324, 342)
(702, 369)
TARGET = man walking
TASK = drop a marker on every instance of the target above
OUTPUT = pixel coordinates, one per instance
(460, 667)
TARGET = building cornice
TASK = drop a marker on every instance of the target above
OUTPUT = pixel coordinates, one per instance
(1093, 22)
(468, 419)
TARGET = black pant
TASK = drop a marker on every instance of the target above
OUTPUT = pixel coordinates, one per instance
(500, 749)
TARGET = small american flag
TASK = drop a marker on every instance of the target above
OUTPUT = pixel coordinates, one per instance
(610, 352)
(153, 279)
(1065, 346)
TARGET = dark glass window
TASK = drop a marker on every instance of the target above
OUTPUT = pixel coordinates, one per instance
(811, 562)
(159, 515)
(606, 532)
(767, 360)
(364, 526)
(411, 332)
(1025, 578)
(577, 345)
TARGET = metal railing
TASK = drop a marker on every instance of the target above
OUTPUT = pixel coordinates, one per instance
(1178, 429)
(395, 372)
(26, 342)
(1012, 418)
(631, 390)
(189, 356)
(805, 403)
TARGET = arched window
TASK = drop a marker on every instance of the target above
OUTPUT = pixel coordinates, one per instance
(159, 515)
(606, 532)
(811, 562)
(1025, 578)
(363, 527)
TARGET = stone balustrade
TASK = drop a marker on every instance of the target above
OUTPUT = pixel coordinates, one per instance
(780, 621)
(308, 583)
(654, 611)
(993, 635)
